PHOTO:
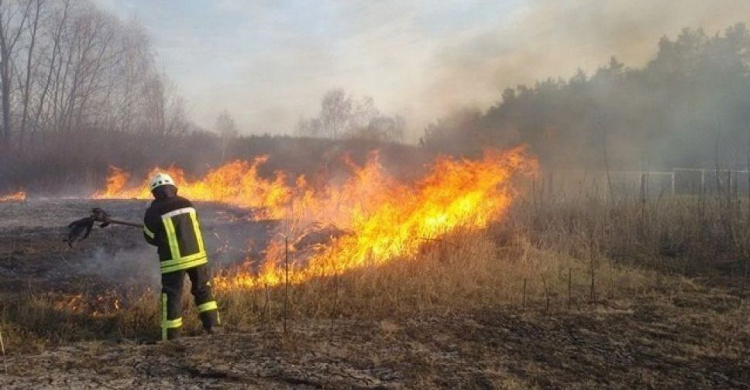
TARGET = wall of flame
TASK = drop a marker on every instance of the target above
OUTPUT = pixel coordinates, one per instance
(382, 219)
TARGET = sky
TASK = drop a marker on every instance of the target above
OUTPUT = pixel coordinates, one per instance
(269, 62)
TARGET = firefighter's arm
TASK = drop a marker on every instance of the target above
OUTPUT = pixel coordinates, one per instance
(150, 227)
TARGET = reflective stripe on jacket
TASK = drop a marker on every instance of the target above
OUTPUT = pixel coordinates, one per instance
(172, 225)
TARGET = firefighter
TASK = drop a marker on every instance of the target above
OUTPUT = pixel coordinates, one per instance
(171, 224)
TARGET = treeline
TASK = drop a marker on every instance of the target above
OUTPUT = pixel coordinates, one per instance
(69, 68)
(343, 116)
(84, 164)
(688, 107)
(81, 91)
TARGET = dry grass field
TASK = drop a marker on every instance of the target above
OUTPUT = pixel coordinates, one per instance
(559, 293)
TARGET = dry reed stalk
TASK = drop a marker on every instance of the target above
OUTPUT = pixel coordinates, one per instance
(643, 198)
(593, 280)
(334, 310)
(570, 287)
(2, 347)
(266, 306)
(611, 279)
(744, 282)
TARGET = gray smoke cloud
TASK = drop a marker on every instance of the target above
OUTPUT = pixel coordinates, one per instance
(555, 38)
(269, 63)
(136, 266)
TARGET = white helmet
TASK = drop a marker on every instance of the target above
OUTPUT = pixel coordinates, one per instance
(160, 179)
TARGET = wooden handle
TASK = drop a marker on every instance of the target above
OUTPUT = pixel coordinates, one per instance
(125, 223)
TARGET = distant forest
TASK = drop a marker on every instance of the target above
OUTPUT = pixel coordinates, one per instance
(688, 107)
(81, 90)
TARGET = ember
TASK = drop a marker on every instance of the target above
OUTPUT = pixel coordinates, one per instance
(103, 304)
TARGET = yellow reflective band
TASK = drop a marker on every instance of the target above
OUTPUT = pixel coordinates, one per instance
(171, 324)
(197, 228)
(181, 211)
(148, 232)
(207, 306)
(165, 323)
(183, 264)
(174, 247)
(167, 263)
(179, 267)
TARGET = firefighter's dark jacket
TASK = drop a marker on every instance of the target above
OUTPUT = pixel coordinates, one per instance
(171, 224)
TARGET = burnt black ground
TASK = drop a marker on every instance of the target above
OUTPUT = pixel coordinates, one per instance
(34, 256)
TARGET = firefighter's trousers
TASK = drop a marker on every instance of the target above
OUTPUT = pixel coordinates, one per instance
(171, 300)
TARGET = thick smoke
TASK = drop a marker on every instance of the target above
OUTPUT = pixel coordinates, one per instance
(675, 96)
(417, 59)
(134, 266)
(555, 38)
(420, 60)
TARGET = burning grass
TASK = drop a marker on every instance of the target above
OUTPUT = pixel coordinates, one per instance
(384, 220)
(380, 219)
(548, 292)
(236, 183)
(463, 271)
(466, 270)
(380, 223)
(462, 239)
(18, 196)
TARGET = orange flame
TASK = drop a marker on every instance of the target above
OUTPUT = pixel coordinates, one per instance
(376, 219)
(15, 197)
(236, 183)
(96, 306)
(386, 220)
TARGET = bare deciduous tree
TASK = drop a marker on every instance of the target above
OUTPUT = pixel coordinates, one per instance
(227, 131)
(225, 125)
(13, 17)
(67, 66)
(343, 116)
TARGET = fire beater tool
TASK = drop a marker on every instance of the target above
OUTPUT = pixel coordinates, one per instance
(80, 229)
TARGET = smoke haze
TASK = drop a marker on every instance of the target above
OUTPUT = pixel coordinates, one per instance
(269, 63)
(554, 38)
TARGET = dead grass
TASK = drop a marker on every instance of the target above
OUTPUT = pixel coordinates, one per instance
(465, 271)
(691, 235)
(544, 256)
